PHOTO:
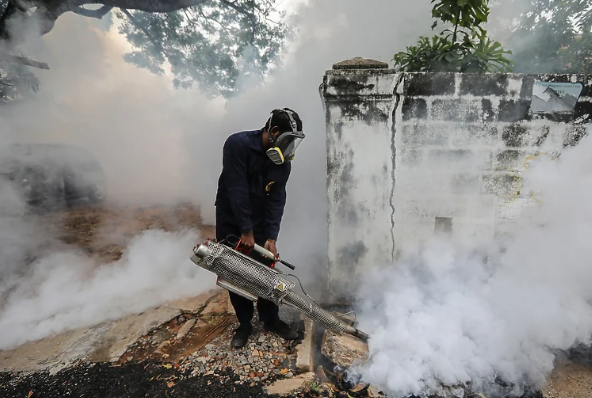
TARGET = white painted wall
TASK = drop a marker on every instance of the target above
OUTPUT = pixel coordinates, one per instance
(453, 158)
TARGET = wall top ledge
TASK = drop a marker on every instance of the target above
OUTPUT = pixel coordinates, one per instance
(360, 63)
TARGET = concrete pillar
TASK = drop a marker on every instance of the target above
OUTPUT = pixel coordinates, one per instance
(358, 95)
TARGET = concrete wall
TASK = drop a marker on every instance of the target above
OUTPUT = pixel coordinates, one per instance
(404, 149)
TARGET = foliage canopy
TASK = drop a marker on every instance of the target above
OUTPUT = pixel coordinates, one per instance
(462, 47)
(212, 44)
(208, 42)
(553, 36)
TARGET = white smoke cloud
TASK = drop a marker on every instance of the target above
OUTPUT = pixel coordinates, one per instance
(454, 312)
(66, 290)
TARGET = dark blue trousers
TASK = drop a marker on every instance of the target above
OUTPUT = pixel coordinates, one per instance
(268, 310)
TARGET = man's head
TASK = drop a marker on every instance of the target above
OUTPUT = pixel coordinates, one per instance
(284, 129)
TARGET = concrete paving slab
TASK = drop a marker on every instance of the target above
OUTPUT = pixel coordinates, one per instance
(183, 330)
(285, 386)
(216, 306)
(304, 351)
(46, 353)
(344, 350)
(126, 331)
(193, 305)
(103, 342)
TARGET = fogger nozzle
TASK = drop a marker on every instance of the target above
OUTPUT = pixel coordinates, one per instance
(247, 277)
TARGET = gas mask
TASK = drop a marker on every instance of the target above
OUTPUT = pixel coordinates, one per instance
(283, 147)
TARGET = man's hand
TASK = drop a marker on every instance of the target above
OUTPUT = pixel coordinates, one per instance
(270, 245)
(248, 240)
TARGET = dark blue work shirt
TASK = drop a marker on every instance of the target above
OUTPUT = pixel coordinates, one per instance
(251, 189)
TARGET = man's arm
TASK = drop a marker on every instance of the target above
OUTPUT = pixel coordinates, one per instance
(234, 162)
(274, 211)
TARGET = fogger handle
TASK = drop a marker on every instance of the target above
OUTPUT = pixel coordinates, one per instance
(266, 253)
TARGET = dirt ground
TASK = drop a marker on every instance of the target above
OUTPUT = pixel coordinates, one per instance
(104, 230)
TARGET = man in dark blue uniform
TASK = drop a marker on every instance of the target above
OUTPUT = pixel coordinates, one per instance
(250, 204)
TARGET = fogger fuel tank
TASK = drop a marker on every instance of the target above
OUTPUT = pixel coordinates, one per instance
(249, 278)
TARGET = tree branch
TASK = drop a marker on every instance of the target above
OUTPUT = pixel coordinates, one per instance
(147, 5)
(244, 11)
(25, 61)
(148, 35)
(236, 7)
(208, 19)
(48, 11)
(85, 12)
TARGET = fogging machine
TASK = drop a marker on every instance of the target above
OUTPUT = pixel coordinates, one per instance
(249, 278)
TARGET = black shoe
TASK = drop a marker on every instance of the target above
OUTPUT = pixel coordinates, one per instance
(282, 329)
(241, 337)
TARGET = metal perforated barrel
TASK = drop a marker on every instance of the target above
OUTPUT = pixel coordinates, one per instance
(264, 282)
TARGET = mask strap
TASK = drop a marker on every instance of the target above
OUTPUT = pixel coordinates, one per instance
(292, 121)
(269, 121)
